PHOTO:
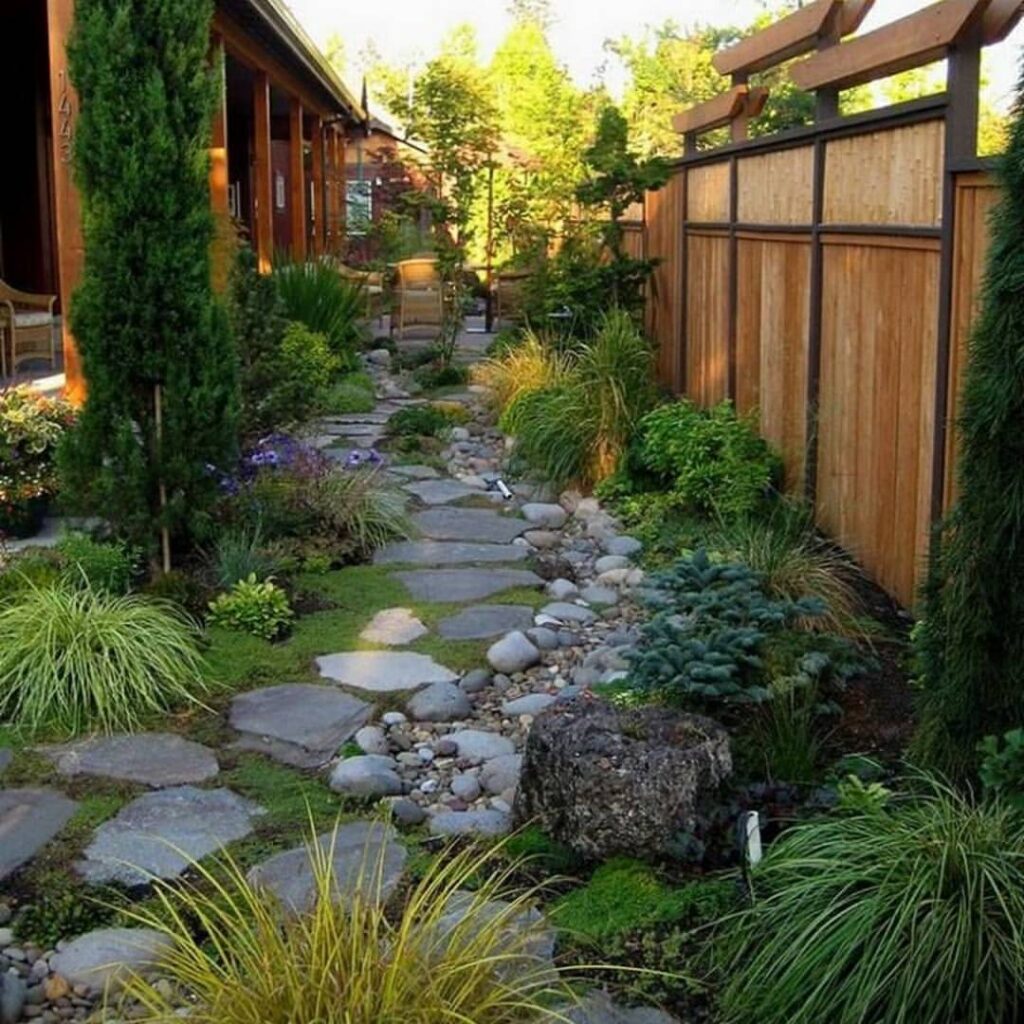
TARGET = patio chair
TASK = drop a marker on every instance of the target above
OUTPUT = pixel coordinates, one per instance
(508, 293)
(420, 294)
(26, 328)
(373, 286)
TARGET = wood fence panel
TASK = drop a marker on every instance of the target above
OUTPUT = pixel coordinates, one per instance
(665, 211)
(707, 317)
(976, 197)
(776, 188)
(707, 193)
(887, 177)
(876, 406)
(772, 321)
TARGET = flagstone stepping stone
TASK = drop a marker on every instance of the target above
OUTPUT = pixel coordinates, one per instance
(393, 627)
(366, 859)
(153, 759)
(463, 908)
(160, 834)
(415, 472)
(104, 959)
(470, 823)
(598, 1008)
(383, 671)
(354, 429)
(486, 620)
(439, 702)
(298, 724)
(440, 492)
(456, 585)
(478, 745)
(348, 418)
(29, 819)
(563, 611)
(530, 704)
(434, 552)
(366, 776)
(469, 524)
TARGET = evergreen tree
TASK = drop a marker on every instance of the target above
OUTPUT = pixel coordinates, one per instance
(973, 630)
(157, 354)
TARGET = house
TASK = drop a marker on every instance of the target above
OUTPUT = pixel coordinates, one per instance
(277, 152)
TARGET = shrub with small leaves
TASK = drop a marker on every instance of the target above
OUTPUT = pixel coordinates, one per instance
(418, 421)
(105, 566)
(253, 606)
(1002, 766)
(859, 797)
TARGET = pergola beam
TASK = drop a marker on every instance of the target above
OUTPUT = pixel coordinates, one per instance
(911, 42)
(739, 101)
(1000, 19)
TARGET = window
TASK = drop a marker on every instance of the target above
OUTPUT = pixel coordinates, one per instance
(359, 206)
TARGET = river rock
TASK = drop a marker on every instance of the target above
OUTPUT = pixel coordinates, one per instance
(549, 517)
(478, 745)
(513, 653)
(366, 776)
(102, 960)
(439, 702)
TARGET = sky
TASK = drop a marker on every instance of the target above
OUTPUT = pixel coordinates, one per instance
(411, 29)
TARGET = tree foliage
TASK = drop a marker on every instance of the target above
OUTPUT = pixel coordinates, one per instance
(157, 355)
(973, 633)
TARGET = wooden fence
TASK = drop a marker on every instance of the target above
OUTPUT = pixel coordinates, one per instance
(825, 279)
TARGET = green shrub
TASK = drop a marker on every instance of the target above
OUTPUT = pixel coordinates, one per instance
(418, 421)
(239, 554)
(440, 375)
(316, 295)
(910, 913)
(107, 566)
(301, 372)
(859, 797)
(37, 567)
(1002, 766)
(182, 589)
(354, 393)
(253, 606)
(712, 460)
(578, 429)
(73, 659)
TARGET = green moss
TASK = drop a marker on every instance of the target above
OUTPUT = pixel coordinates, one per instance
(625, 896)
(533, 845)
(352, 394)
(291, 798)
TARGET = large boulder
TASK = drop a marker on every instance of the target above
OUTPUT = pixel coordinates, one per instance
(606, 780)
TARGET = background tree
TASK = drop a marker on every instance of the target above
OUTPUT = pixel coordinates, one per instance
(158, 358)
(973, 628)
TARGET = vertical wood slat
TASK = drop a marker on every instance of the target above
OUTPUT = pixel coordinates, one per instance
(707, 317)
(298, 178)
(317, 202)
(263, 198)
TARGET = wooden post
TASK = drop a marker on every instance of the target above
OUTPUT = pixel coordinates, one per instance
(223, 240)
(67, 210)
(318, 186)
(298, 175)
(739, 128)
(263, 198)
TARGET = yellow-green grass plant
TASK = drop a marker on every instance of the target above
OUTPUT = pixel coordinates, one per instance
(906, 914)
(532, 365)
(240, 957)
(73, 658)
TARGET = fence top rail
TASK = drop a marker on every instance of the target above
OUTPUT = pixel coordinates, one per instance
(918, 39)
(792, 36)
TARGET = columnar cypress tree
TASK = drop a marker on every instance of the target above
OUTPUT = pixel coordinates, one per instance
(158, 358)
(973, 633)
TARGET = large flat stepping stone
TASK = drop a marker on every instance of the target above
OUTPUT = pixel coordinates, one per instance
(354, 429)
(366, 860)
(104, 959)
(393, 627)
(298, 724)
(440, 492)
(469, 524)
(455, 585)
(416, 472)
(160, 834)
(153, 759)
(346, 418)
(486, 620)
(29, 819)
(435, 552)
(383, 671)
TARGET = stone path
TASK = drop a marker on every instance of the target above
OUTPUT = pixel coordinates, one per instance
(449, 761)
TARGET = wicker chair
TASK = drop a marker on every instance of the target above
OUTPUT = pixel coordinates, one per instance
(26, 328)
(373, 287)
(420, 294)
(508, 292)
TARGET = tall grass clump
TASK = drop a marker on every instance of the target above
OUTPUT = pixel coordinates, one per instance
(73, 658)
(531, 365)
(908, 913)
(244, 959)
(362, 508)
(578, 429)
(239, 554)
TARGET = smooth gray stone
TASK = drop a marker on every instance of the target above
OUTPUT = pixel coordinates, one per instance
(13, 992)
(486, 620)
(512, 653)
(440, 492)
(598, 1008)
(393, 627)
(545, 515)
(543, 638)
(406, 812)
(478, 745)
(475, 681)
(29, 819)
(416, 472)
(367, 863)
(435, 552)
(474, 914)
(105, 958)
(454, 585)
(383, 671)
(372, 739)
(466, 787)
(562, 589)
(299, 724)
(6, 756)
(530, 704)
(600, 595)
(608, 563)
(160, 834)
(565, 612)
(469, 823)
(623, 545)
(366, 776)
(469, 524)
(153, 759)
(439, 702)
(501, 773)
